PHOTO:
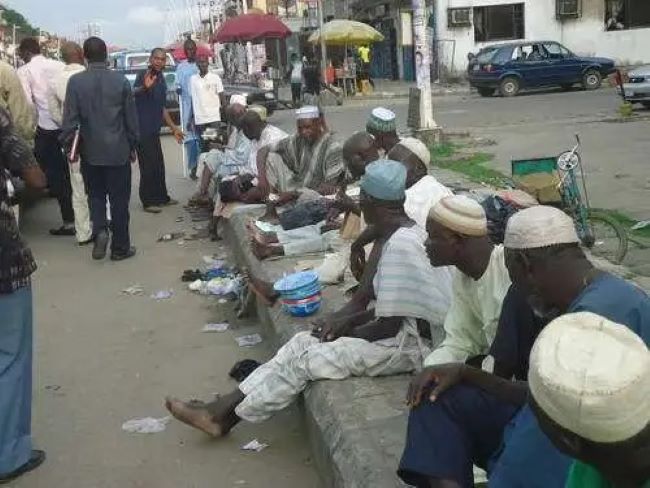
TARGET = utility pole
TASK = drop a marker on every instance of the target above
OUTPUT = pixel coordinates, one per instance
(323, 48)
(423, 65)
(249, 47)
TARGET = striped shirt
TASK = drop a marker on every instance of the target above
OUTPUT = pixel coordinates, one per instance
(312, 165)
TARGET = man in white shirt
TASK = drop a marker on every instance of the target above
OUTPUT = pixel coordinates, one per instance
(36, 77)
(457, 229)
(207, 90)
(73, 56)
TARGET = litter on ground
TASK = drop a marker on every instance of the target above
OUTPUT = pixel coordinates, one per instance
(223, 327)
(133, 290)
(146, 425)
(254, 445)
(249, 340)
(163, 295)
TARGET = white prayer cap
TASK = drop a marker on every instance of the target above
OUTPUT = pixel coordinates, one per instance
(307, 112)
(238, 99)
(539, 226)
(417, 147)
(591, 376)
(460, 214)
(259, 110)
(381, 120)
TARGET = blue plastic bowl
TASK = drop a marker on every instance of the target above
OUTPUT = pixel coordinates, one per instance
(296, 281)
(302, 293)
(302, 308)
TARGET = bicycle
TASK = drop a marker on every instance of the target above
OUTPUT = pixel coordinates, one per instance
(598, 232)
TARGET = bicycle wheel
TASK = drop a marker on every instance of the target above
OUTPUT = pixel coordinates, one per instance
(610, 238)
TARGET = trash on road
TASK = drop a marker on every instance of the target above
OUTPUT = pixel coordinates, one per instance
(249, 340)
(171, 236)
(133, 290)
(254, 445)
(146, 425)
(222, 327)
(163, 295)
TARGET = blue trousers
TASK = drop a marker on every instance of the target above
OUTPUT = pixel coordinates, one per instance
(15, 379)
(466, 426)
(192, 150)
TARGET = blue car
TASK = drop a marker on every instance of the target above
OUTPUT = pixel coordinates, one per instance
(509, 68)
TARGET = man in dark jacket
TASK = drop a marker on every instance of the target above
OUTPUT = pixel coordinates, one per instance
(100, 103)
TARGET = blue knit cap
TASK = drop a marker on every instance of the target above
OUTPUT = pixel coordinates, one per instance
(385, 179)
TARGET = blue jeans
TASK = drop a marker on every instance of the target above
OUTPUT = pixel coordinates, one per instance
(15, 379)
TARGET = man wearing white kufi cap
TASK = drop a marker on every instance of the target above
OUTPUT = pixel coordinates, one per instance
(590, 386)
(467, 406)
(382, 125)
(312, 158)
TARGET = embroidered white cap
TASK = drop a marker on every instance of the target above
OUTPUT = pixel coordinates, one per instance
(460, 214)
(539, 226)
(307, 112)
(417, 147)
(238, 99)
(591, 376)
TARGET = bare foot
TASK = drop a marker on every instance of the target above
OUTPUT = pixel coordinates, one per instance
(263, 251)
(263, 289)
(194, 414)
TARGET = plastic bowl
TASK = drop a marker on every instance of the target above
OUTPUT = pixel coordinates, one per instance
(302, 293)
(302, 308)
(295, 282)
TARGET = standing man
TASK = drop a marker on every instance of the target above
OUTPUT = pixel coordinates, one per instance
(206, 92)
(100, 103)
(364, 56)
(184, 72)
(16, 266)
(295, 77)
(73, 57)
(150, 97)
(36, 77)
(13, 100)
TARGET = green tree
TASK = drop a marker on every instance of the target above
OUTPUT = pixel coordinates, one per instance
(11, 17)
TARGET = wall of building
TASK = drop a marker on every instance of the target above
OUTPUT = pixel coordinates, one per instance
(585, 35)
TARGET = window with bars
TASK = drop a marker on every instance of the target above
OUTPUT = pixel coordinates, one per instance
(499, 22)
(626, 14)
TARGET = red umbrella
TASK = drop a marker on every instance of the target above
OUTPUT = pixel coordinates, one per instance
(178, 51)
(251, 27)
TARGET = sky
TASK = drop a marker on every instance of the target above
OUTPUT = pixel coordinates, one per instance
(125, 23)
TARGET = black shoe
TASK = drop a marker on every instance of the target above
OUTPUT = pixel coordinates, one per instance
(154, 209)
(85, 243)
(64, 230)
(193, 174)
(101, 243)
(122, 256)
(35, 460)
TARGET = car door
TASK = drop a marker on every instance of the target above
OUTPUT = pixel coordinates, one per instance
(531, 66)
(564, 68)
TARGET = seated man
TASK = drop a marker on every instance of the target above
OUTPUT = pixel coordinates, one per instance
(311, 159)
(590, 391)
(383, 127)
(483, 419)
(357, 151)
(356, 340)
(423, 191)
(227, 161)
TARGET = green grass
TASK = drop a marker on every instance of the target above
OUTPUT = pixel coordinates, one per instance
(472, 165)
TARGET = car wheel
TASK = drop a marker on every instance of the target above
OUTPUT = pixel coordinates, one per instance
(509, 86)
(591, 80)
(567, 86)
(486, 92)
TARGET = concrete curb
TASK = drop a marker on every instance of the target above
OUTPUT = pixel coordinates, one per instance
(357, 426)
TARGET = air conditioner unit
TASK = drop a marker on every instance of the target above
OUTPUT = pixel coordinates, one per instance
(570, 9)
(459, 17)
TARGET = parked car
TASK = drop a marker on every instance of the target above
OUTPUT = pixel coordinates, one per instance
(637, 89)
(132, 62)
(509, 68)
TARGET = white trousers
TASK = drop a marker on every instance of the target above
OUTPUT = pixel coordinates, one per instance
(277, 383)
(80, 204)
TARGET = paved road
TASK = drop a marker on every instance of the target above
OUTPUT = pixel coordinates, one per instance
(540, 124)
(102, 358)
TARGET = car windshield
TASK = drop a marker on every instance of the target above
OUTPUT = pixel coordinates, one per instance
(138, 61)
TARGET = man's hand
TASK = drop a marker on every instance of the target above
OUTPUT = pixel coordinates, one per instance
(178, 135)
(445, 376)
(133, 157)
(329, 329)
(286, 197)
(149, 80)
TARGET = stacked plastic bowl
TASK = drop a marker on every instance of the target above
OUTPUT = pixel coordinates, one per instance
(300, 293)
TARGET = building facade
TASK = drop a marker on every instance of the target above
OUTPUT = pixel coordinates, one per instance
(618, 29)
